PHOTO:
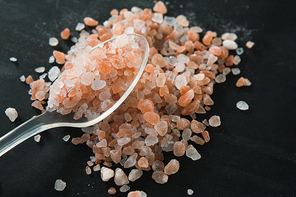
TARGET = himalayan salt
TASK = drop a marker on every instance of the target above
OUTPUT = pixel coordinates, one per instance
(23, 78)
(206, 136)
(53, 41)
(182, 20)
(185, 99)
(197, 127)
(134, 194)
(102, 143)
(120, 177)
(239, 51)
(96, 168)
(79, 26)
(131, 161)
(215, 121)
(160, 177)
(65, 34)
(111, 190)
(180, 81)
(98, 84)
(236, 60)
(226, 71)
(143, 162)
(135, 174)
(11, 113)
(158, 165)
(37, 105)
(197, 140)
(158, 18)
(59, 185)
(13, 59)
(229, 36)
(250, 44)
(172, 167)
(242, 105)
(53, 73)
(161, 127)
(186, 134)
(235, 71)
(51, 59)
(240, 82)
(66, 138)
(151, 140)
(229, 44)
(179, 149)
(160, 7)
(145, 150)
(151, 117)
(90, 21)
(192, 153)
(29, 79)
(207, 100)
(124, 188)
(190, 192)
(59, 56)
(90, 163)
(40, 69)
(37, 138)
(87, 170)
(221, 78)
(183, 123)
(106, 173)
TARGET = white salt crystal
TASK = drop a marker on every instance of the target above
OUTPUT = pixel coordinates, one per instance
(236, 60)
(104, 95)
(189, 192)
(51, 59)
(129, 30)
(87, 170)
(229, 36)
(135, 174)
(199, 76)
(79, 26)
(242, 105)
(11, 113)
(239, 51)
(151, 140)
(96, 168)
(138, 24)
(59, 185)
(220, 78)
(74, 39)
(66, 138)
(53, 73)
(192, 153)
(106, 24)
(196, 29)
(53, 41)
(235, 71)
(23, 78)
(180, 67)
(157, 17)
(143, 194)
(250, 44)
(215, 121)
(136, 10)
(40, 69)
(98, 84)
(13, 59)
(226, 71)
(131, 161)
(180, 81)
(183, 58)
(186, 134)
(229, 44)
(170, 21)
(106, 173)
(120, 177)
(43, 76)
(124, 188)
(37, 138)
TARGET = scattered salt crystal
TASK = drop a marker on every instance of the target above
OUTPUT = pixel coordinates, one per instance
(124, 188)
(196, 29)
(135, 174)
(40, 69)
(112, 190)
(79, 26)
(23, 78)
(170, 21)
(220, 78)
(59, 185)
(160, 177)
(250, 44)
(74, 39)
(11, 113)
(242, 105)
(189, 192)
(143, 194)
(106, 173)
(66, 138)
(229, 36)
(215, 121)
(53, 41)
(157, 17)
(172, 167)
(87, 170)
(43, 76)
(13, 59)
(235, 71)
(51, 59)
(37, 138)
(120, 177)
(96, 168)
(236, 60)
(239, 51)
(226, 71)
(192, 153)
(90, 163)
(229, 44)
(53, 73)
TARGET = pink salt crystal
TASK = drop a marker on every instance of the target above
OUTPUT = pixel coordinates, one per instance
(131, 161)
(199, 76)
(160, 177)
(182, 20)
(98, 84)
(172, 167)
(160, 81)
(37, 105)
(179, 149)
(158, 165)
(120, 177)
(247, 82)
(229, 36)
(11, 113)
(197, 140)
(102, 143)
(161, 127)
(106, 173)
(145, 150)
(215, 121)
(111, 190)
(207, 100)
(236, 60)
(87, 78)
(160, 7)
(128, 150)
(135, 174)
(134, 194)
(123, 141)
(115, 155)
(143, 162)
(151, 140)
(87, 170)
(250, 44)
(183, 123)
(158, 59)
(197, 127)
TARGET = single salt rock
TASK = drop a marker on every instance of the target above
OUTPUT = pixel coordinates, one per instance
(151, 117)
(229, 44)
(51, 59)
(53, 41)
(43, 76)
(59, 185)
(206, 136)
(221, 78)
(59, 56)
(239, 51)
(186, 134)
(102, 143)
(247, 82)
(182, 20)
(143, 194)
(161, 127)
(229, 36)
(131, 161)
(90, 21)
(13, 59)
(87, 170)
(40, 69)
(183, 123)
(185, 99)
(242, 105)
(96, 168)
(172, 167)
(160, 7)
(250, 44)
(215, 121)
(120, 177)
(197, 127)
(179, 149)
(157, 17)
(111, 190)
(236, 60)
(151, 140)
(235, 71)
(240, 82)
(197, 140)
(134, 194)
(192, 153)
(106, 173)
(180, 81)
(65, 34)
(160, 177)
(90, 163)
(79, 26)
(115, 155)
(98, 84)
(143, 162)
(23, 78)
(158, 166)
(53, 73)
(11, 113)
(170, 21)
(199, 76)
(124, 188)
(135, 174)
(189, 192)
(37, 138)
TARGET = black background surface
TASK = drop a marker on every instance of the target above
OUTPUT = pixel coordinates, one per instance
(251, 154)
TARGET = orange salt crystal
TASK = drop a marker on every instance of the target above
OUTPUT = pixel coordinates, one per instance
(171, 36)
(114, 12)
(224, 52)
(105, 67)
(215, 50)
(199, 46)
(146, 105)
(29, 79)
(134, 194)
(192, 65)
(149, 68)
(183, 123)
(207, 39)
(185, 99)
(124, 133)
(192, 35)
(208, 74)
(105, 36)
(181, 49)
(151, 117)
(240, 82)
(90, 21)
(179, 149)
(189, 45)
(65, 34)
(37, 105)
(158, 60)
(59, 56)
(143, 162)
(146, 14)
(117, 28)
(160, 7)
(206, 136)
(184, 89)
(247, 82)
(229, 60)
(163, 90)
(191, 108)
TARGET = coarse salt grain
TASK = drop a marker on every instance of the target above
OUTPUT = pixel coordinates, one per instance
(59, 185)
(11, 113)
(23, 78)
(40, 69)
(79, 26)
(230, 44)
(250, 44)
(53, 73)
(13, 59)
(215, 121)
(53, 41)
(66, 138)
(37, 138)
(235, 71)
(189, 192)
(242, 105)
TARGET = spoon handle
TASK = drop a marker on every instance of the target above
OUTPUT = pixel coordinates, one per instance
(24, 131)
